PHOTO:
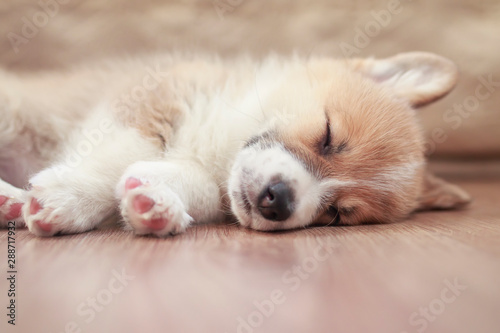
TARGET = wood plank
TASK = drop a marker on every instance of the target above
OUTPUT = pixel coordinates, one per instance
(327, 279)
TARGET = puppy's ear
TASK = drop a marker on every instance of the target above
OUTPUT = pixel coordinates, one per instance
(419, 77)
(439, 194)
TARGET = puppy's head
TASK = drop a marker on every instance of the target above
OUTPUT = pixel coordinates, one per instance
(342, 145)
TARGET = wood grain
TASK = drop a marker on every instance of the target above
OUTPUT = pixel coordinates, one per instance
(209, 279)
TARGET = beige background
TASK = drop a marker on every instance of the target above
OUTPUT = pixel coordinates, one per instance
(466, 31)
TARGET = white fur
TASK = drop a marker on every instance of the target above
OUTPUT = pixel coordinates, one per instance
(80, 166)
(255, 168)
(13, 195)
(77, 197)
(392, 179)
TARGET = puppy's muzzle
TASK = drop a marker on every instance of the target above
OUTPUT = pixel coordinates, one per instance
(275, 202)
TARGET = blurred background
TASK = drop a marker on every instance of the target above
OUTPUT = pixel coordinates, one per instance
(45, 34)
(377, 276)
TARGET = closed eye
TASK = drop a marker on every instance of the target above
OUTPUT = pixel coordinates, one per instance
(347, 211)
(333, 212)
(336, 213)
(327, 139)
(326, 146)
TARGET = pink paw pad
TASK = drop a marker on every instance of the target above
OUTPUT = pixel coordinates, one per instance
(155, 224)
(35, 206)
(132, 183)
(142, 204)
(3, 199)
(43, 226)
(14, 211)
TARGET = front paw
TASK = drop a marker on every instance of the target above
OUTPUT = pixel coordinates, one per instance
(41, 220)
(10, 210)
(152, 209)
(46, 214)
(56, 205)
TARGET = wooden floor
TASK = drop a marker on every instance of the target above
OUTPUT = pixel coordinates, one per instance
(437, 272)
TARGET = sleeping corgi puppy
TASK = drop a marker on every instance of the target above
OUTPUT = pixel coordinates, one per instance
(171, 140)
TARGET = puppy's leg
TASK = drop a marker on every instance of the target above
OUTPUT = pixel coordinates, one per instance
(11, 202)
(164, 197)
(77, 193)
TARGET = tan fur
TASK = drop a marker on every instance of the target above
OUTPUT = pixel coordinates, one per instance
(378, 131)
(156, 117)
(189, 125)
(438, 194)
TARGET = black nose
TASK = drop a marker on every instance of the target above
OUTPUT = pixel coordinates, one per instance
(275, 202)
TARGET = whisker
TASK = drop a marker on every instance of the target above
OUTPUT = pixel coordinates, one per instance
(258, 95)
(239, 111)
(308, 72)
(333, 220)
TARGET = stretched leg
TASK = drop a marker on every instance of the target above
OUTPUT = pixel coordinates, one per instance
(11, 202)
(164, 197)
(77, 193)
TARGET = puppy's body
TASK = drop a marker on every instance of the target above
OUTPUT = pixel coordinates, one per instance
(172, 139)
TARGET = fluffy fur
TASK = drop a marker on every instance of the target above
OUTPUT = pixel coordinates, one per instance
(169, 140)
